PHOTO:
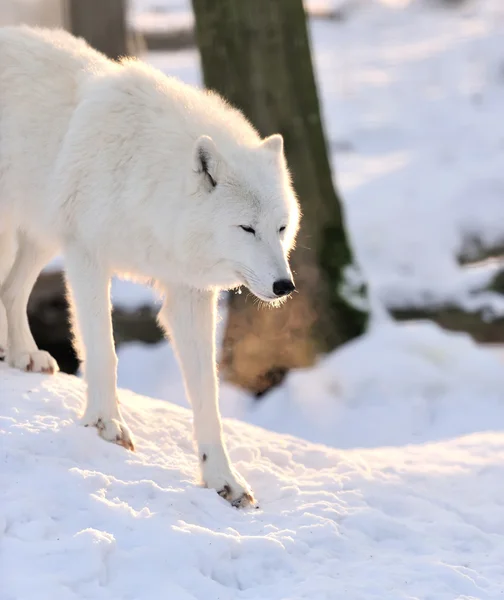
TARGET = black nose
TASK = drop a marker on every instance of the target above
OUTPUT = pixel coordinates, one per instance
(282, 287)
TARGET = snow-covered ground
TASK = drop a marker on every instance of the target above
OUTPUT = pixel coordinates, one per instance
(81, 518)
(398, 384)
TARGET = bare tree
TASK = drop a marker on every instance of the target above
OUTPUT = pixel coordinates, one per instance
(102, 23)
(256, 53)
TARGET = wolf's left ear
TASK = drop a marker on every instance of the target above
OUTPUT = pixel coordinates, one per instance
(206, 160)
(273, 143)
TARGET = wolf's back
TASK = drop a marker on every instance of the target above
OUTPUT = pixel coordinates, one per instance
(42, 72)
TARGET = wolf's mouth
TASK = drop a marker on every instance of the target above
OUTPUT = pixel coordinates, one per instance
(259, 295)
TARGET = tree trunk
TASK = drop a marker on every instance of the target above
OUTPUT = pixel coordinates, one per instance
(256, 53)
(102, 23)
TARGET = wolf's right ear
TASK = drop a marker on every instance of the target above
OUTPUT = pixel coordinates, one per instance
(206, 160)
(274, 143)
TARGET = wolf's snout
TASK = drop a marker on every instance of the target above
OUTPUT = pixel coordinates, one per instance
(283, 287)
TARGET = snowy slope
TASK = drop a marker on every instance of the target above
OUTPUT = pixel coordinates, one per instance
(398, 384)
(80, 518)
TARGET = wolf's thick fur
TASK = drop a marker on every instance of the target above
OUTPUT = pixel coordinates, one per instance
(124, 170)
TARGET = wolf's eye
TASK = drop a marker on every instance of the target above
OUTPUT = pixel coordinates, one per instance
(282, 229)
(248, 229)
(211, 180)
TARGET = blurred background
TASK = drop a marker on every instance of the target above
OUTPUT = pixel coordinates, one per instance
(392, 113)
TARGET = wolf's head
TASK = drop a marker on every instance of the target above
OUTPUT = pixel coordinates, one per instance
(251, 212)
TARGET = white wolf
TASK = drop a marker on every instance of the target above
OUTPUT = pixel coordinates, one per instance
(124, 170)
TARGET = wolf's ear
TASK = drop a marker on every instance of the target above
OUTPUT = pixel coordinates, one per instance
(274, 143)
(206, 160)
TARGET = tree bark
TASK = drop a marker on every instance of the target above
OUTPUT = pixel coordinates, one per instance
(256, 53)
(102, 23)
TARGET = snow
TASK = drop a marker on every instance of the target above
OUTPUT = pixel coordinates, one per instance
(161, 16)
(414, 105)
(398, 384)
(81, 518)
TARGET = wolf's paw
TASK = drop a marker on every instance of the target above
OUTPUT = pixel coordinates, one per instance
(2, 352)
(111, 430)
(38, 361)
(218, 475)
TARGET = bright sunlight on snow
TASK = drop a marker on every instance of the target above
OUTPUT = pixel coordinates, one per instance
(399, 384)
(81, 518)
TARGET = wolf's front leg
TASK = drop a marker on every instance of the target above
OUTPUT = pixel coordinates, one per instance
(89, 285)
(189, 316)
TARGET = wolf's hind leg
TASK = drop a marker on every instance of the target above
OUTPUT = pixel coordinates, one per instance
(22, 351)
